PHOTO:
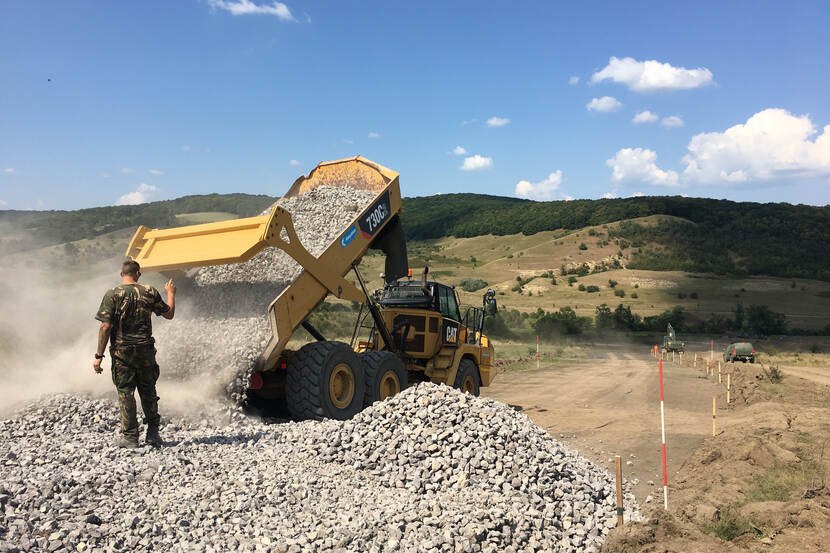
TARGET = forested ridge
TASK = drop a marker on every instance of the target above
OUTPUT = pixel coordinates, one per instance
(721, 236)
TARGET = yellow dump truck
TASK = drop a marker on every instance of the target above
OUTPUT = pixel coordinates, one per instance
(410, 331)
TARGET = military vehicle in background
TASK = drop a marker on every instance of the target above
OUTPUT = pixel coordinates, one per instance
(739, 351)
(670, 341)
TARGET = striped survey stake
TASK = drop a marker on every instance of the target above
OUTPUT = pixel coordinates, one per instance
(663, 427)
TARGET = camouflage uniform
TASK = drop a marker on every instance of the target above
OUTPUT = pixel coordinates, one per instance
(128, 308)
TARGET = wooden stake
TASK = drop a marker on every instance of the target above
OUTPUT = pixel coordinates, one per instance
(714, 416)
(620, 510)
(728, 388)
(719, 378)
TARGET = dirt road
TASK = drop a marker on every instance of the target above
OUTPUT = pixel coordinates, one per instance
(607, 407)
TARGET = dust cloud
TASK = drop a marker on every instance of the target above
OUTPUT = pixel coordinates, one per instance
(48, 336)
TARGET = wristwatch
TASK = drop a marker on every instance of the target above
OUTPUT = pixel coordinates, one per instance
(98, 356)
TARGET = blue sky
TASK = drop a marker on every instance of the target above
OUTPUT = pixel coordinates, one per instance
(154, 100)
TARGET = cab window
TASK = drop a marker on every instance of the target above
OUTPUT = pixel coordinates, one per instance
(448, 306)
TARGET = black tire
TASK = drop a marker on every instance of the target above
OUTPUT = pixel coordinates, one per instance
(325, 380)
(385, 375)
(467, 378)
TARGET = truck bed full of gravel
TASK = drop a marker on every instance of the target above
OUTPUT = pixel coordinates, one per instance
(429, 470)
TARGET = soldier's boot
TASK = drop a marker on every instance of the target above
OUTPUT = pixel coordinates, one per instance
(129, 443)
(153, 437)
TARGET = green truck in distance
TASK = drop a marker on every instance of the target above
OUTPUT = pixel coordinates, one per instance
(670, 341)
(739, 351)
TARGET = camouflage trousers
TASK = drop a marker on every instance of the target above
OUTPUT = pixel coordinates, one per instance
(135, 367)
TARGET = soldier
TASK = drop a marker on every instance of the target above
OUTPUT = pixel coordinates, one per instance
(125, 322)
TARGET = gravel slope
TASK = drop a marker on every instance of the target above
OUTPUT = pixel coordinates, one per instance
(429, 470)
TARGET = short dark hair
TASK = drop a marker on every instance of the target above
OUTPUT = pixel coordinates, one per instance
(130, 267)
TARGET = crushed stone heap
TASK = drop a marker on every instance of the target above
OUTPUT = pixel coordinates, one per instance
(221, 324)
(430, 470)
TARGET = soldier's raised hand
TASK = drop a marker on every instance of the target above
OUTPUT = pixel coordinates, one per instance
(170, 287)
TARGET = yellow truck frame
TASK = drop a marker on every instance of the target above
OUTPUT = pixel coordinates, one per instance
(327, 379)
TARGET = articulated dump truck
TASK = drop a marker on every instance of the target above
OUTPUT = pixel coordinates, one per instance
(409, 331)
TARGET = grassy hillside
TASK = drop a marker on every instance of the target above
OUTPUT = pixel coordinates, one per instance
(522, 269)
(724, 237)
(659, 233)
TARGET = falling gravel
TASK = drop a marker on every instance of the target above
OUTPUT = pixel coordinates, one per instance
(429, 470)
(221, 323)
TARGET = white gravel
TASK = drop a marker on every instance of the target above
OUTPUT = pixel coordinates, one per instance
(429, 470)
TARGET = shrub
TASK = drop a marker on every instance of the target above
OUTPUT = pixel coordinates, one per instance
(693, 295)
(636, 285)
(592, 232)
(620, 293)
(773, 374)
(815, 348)
(592, 288)
(581, 287)
(634, 295)
(612, 283)
(729, 524)
(583, 246)
(472, 284)
(571, 280)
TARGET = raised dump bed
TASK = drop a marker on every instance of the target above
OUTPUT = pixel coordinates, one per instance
(237, 241)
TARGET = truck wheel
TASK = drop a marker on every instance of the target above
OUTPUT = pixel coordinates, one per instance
(324, 380)
(385, 375)
(466, 379)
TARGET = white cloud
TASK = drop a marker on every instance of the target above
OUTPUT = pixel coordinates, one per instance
(645, 117)
(105, 175)
(294, 163)
(459, 151)
(652, 76)
(543, 190)
(374, 135)
(637, 195)
(155, 172)
(640, 165)
(348, 141)
(609, 196)
(186, 148)
(476, 163)
(573, 80)
(3, 203)
(126, 170)
(606, 103)
(246, 7)
(772, 144)
(10, 170)
(672, 121)
(497, 121)
(139, 196)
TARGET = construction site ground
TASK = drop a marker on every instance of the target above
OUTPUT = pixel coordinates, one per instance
(761, 483)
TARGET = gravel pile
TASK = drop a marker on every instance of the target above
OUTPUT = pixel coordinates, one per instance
(430, 470)
(221, 323)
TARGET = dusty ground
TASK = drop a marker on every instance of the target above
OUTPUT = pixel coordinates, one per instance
(761, 484)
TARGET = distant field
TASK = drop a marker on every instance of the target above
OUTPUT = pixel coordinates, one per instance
(204, 217)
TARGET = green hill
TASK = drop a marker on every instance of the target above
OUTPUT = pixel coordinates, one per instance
(702, 235)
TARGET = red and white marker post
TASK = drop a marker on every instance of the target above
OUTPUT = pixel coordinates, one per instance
(663, 428)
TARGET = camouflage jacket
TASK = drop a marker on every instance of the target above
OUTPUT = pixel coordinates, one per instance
(128, 308)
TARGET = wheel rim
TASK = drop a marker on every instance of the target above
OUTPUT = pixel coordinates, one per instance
(469, 386)
(341, 386)
(389, 385)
